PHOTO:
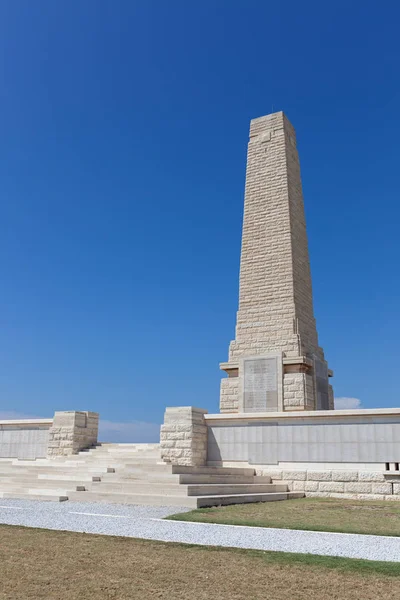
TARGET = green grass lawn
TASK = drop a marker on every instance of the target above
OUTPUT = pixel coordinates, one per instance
(39, 564)
(314, 514)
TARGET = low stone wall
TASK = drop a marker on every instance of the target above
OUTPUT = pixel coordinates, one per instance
(24, 439)
(360, 485)
(329, 437)
(67, 433)
(183, 438)
(71, 432)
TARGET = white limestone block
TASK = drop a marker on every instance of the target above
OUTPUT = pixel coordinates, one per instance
(319, 475)
(331, 486)
(382, 488)
(344, 475)
(311, 486)
(358, 487)
(371, 476)
(294, 475)
(298, 486)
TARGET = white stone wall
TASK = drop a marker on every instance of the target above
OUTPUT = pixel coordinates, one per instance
(24, 439)
(301, 438)
(183, 437)
(360, 485)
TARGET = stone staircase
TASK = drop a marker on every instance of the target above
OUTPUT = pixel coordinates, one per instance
(134, 474)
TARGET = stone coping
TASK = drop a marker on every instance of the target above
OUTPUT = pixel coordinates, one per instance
(314, 414)
(27, 422)
(185, 409)
(234, 364)
(286, 360)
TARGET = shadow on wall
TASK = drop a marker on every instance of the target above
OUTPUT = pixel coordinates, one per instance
(133, 431)
(213, 449)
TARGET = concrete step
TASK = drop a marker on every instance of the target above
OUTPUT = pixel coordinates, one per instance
(121, 498)
(168, 489)
(159, 476)
(138, 466)
(180, 470)
(149, 468)
(134, 474)
(25, 496)
(71, 478)
(56, 491)
(50, 466)
(50, 477)
(111, 462)
(122, 477)
(117, 455)
(104, 445)
(167, 477)
(81, 470)
(193, 479)
(265, 479)
(204, 501)
(189, 501)
(43, 483)
(138, 487)
(127, 450)
(28, 463)
(232, 489)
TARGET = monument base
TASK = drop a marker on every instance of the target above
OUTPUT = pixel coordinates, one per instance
(298, 386)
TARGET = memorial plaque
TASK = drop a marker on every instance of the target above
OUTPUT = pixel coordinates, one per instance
(260, 384)
(322, 384)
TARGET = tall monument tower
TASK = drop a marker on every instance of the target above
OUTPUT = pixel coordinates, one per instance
(275, 363)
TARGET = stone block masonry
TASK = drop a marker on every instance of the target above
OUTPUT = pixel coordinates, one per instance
(183, 438)
(275, 293)
(331, 483)
(71, 432)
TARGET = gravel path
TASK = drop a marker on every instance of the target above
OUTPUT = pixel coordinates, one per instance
(147, 522)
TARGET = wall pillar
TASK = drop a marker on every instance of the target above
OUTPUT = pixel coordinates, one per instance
(183, 438)
(71, 432)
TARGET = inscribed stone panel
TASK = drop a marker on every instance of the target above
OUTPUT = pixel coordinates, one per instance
(261, 383)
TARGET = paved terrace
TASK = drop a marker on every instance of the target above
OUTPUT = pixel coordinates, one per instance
(147, 522)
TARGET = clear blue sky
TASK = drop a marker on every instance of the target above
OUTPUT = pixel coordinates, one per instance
(123, 139)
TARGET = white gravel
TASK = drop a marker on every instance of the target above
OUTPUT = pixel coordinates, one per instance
(147, 522)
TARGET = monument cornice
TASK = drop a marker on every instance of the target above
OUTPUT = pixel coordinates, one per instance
(297, 360)
(291, 414)
(27, 422)
(287, 361)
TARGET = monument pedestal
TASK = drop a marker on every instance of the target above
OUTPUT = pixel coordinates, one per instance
(295, 384)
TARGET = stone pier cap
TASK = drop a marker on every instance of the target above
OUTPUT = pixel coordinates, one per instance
(303, 414)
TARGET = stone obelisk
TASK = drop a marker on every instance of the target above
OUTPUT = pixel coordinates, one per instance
(275, 362)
